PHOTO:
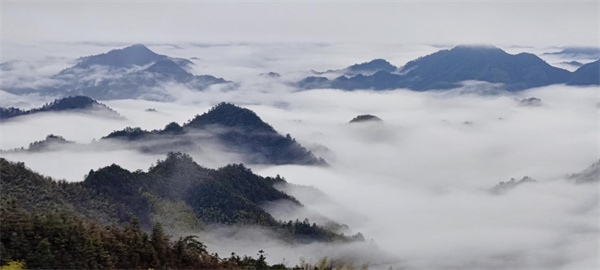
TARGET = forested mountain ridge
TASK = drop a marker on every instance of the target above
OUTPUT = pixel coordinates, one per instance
(174, 186)
(38, 194)
(59, 240)
(81, 104)
(237, 129)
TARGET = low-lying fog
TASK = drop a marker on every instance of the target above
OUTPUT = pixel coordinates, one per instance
(416, 185)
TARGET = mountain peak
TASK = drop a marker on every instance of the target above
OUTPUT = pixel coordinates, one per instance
(175, 161)
(137, 46)
(447, 68)
(476, 46)
(50, 141)
(373, 65)
(71, 102)
(134, 55)
(229, 115)
(472, 49)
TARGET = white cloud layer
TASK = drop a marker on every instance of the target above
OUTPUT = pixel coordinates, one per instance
(416, 184)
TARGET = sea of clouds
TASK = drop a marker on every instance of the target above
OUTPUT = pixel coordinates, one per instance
(416, 185)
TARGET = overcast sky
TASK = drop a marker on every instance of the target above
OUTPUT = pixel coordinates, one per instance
(531, 23)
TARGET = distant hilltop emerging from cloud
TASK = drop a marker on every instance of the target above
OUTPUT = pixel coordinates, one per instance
(129, 73)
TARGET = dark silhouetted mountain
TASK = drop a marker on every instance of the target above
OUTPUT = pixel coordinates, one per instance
(366, 68)
(50, 141)
(365, 118)
(79, 104)
(504, 187)
(129, 133)
(228, 195)
(270, 75)
(447, 69)
(578, 52)
(243, 131)
(231, 116)
(589, 175)
(381, 80)
(588, 74)
(129, 73)
(10, 112)
(532, 101)
(372, 66)
(172, 128)
(135, 55)
(313, 82)
(238, 130)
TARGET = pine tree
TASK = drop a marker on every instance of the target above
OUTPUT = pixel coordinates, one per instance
(42, 257)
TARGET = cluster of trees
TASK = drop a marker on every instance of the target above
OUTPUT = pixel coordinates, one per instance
(59, 240)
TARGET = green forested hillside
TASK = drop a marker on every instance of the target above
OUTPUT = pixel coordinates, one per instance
(176, 190)
(113, 218)
(59, 240)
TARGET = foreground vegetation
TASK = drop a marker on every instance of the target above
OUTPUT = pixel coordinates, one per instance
(117, 219)
(58, 240)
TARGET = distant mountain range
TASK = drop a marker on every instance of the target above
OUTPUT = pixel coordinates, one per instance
(176, 192)
(225, 128)
(137, 72)
(447, 69)
(578, 52)
(237, 130)
(128, 73)
(78, 104)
